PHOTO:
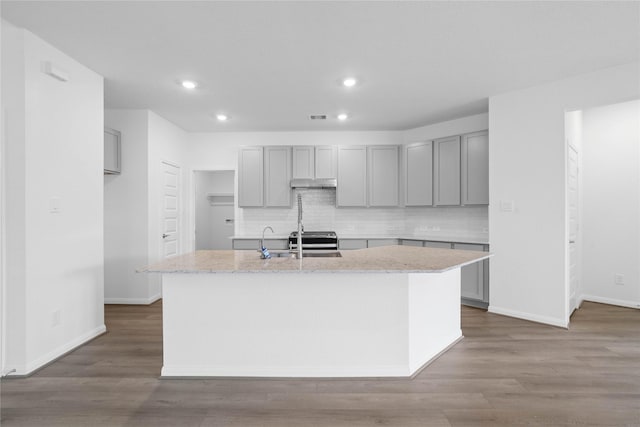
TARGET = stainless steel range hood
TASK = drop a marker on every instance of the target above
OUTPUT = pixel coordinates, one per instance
(314, 183)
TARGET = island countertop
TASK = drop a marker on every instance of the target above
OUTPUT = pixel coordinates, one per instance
(386, 259)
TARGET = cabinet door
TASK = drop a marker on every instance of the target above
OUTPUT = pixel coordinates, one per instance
(277, 176)
(250, 177)
(348, 244)
(475, 168)
(419, 174)
(446, 169)
(472, 276)
(111, 151)
(303, 162)
(326, 162)
(383, 175)
(352, 176)
(439, 245)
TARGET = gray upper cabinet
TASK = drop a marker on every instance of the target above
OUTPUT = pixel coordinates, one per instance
(475, 168)
(250, 177)
(446, 171)
(352, 176)
(419, 174)
(326, 161)
(383, 175)
(277, 176)
(112, 151)
(314, 162)
(304, 162)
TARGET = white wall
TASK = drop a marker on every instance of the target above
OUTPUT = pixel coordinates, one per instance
(133, 204)
(209, 219)
(527, 165)
(126, 212)
(54, 148)
(449, 128)
(611, 203)
(167, 142)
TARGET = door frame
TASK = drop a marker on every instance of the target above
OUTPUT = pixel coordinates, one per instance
(192, 202)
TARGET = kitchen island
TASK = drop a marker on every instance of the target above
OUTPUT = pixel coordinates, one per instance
(378, 312)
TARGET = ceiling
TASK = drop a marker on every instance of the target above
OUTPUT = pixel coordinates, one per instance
(269, 65)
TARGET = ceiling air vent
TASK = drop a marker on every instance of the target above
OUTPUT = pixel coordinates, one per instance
(318, 117)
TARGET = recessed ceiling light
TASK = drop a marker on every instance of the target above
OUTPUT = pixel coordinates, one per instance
(349, 82)
(189, 84)
(222, 117)
(343, 116)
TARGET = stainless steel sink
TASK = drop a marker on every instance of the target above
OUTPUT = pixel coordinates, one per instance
(321, 255)
(287, 254)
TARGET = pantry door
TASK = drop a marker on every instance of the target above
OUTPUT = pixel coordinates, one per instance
(170, 209)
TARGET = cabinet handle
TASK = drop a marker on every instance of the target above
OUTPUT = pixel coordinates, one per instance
(164, 236)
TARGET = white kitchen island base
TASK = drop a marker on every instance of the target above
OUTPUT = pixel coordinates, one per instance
(336, 324)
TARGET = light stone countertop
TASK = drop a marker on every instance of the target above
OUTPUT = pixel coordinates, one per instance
(387, 259)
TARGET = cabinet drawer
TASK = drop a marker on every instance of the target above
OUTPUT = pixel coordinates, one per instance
(243, 244)
(375, 243)
(353, 244)
(439, 245)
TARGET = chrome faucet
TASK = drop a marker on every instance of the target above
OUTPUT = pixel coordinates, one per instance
(300, 226)
(262, 249)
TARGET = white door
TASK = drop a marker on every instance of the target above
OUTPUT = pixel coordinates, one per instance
(573, 195)
(170, 210)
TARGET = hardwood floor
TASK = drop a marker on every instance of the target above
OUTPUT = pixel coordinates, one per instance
(505, 372)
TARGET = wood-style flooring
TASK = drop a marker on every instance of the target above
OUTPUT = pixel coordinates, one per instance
(506, 372)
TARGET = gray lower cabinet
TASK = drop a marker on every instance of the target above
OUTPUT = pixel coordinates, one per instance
(383, 175)
(352, 176)
(439, 245)
(245, 244)
(250, 177)
(405, 242)
(474, 278)
(254, 244)
(418, 174)
(475, 168)
(277, 176)
(376, 243)
(446, 171)
(346, 244)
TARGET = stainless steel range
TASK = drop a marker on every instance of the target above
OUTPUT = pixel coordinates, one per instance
(314, 241)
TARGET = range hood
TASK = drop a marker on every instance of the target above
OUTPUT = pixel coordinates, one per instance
(314, 183)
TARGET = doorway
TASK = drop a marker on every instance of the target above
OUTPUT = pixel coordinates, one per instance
(214, 209)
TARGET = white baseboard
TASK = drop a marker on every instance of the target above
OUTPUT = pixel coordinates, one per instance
(41, 362)
(133, 301)
(610, 301)
(528, 316)
(356, 371)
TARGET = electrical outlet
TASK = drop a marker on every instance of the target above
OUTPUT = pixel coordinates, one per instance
(618, 279)
(56, 318)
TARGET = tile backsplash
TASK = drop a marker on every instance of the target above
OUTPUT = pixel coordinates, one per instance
(320, 213)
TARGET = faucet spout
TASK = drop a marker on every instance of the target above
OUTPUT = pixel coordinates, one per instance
(300, 226)
(263, 249)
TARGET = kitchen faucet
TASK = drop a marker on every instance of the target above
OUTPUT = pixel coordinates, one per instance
(263, 249)
(300, 226)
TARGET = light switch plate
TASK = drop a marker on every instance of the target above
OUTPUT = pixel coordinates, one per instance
(54, 205)
(507, 206)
